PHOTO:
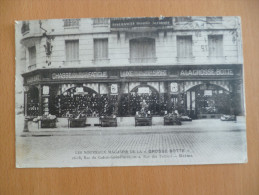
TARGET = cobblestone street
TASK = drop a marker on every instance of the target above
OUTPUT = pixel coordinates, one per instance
(190, 143)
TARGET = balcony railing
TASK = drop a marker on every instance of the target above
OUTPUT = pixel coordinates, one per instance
(142, 60)
(183, 19)
(101, 21)
(214, 20)
(189, 59)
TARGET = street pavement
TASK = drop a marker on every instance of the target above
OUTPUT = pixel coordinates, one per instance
(196, 142)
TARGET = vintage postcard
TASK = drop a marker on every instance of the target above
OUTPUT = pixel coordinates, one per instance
(129, 92)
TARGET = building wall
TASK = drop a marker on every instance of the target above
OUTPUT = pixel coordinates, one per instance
(118, 43)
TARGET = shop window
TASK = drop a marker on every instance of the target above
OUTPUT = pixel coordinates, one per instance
(100, 49)
(71, 23)
(32, 58)
(215, 45)
(184, 46)
(142, 50)
(72, 50)
(214, 20)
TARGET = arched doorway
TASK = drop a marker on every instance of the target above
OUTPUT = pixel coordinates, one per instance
(32, 101)
(208, 101)
(75, 100)
(144, 93)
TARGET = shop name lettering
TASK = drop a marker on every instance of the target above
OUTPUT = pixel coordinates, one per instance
(143, 73)
(79, 75)
(140, 22)
(207, 72)
(33, 79)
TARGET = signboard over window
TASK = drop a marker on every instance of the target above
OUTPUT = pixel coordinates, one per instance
(78, 75)
(144, 73)
(114, 88)
(143, 90)
(140, 22)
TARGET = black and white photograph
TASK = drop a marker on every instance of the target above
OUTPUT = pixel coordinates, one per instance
(148, 91)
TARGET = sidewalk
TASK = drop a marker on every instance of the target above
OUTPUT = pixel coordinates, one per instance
(202, 125)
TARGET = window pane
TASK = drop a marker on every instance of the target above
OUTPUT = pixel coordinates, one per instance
(215, 45)
(184, 46)
(72, 50)
(32, 55)
(142, 50)
(100, 49)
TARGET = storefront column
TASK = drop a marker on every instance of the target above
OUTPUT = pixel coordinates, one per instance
(40, 100)
(169, 102)
(26, 89)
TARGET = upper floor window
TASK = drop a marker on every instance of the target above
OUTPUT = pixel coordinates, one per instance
(25, 27)
(183, 19)
(32, 57)
(72, 50)
(215, 45)
(184, 46)
(214, 20)
(71, 23)
(101, 21)
(100, 49)
(142, 50)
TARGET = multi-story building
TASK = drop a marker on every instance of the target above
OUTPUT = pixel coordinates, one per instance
(108, 66)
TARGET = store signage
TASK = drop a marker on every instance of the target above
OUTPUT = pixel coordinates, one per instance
(140, 22)
(114, 88)
(207, 72)
(207, 92)
(142, 90)
(78, 75)
(45, 90)
(33, 79)
(174, 87)
(145, 73)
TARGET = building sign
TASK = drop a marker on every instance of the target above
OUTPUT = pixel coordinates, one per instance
(174, 87)
(142, 90)
(145, 73)
(45, 90)
(33, 79)
(78, 75)
(207, 72)
(114, 88)
(140, 22)
(207, 92)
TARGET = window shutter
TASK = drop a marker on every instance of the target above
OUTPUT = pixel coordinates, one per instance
(142, 50)
(72, 50)
(100, 49)
(32, 55)
(215, 45)
(184, 46)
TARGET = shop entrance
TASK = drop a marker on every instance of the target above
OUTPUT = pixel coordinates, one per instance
(208, 101)
(144, 94)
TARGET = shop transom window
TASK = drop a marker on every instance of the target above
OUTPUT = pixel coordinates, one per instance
(72, 50)
(142, 50)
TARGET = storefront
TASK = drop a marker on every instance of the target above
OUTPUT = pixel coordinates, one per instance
(197, 91)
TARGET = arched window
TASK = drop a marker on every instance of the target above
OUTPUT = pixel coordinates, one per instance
(142, 50)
